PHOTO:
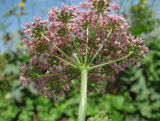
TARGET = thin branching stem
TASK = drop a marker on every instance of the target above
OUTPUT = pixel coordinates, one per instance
(110, 62)
(48, 75)
(75, 55)
(100, 48)
(94, 34)
(65, 61)
(86, 54)
(77, 49)
(57, 47)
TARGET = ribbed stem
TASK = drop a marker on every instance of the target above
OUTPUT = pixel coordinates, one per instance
(83, 98)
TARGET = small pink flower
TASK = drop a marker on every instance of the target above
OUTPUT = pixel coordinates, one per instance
(37, 19)
(27, 25)
(63, 26)
(115, 6)
(27, 31)
(24, 81)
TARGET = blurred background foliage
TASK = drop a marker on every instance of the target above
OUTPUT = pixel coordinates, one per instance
(133, 96)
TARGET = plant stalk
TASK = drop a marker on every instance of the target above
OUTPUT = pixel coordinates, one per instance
(110, 62)
(83, 98)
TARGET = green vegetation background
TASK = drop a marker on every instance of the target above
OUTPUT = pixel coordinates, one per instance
(134, 96)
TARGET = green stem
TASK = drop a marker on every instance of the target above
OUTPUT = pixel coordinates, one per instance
(86, 54)
(57, 48)
(65, 61)
(48, 75)
(75, 55)
(100, 48)
(83, 98)
(107, 63)
(93, 37)
(77, 49)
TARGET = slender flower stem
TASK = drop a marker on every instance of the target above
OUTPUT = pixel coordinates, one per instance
(104, 64)
(75, 55)
(100, 48)
(96, 54)
(93, 36)
(77, 48)
(48, 75)
(83, 98)
(86, 54)
(65, 61)
(57, 47)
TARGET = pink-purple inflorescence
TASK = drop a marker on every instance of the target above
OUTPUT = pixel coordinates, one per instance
(72, 29)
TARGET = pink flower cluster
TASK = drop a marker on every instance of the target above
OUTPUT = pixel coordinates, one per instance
(72, 29)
